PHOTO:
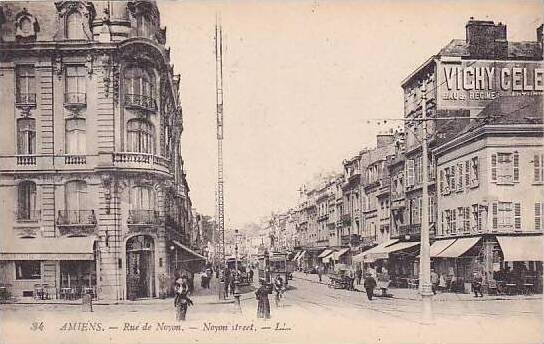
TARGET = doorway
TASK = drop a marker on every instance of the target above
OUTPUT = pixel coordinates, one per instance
(140, 267)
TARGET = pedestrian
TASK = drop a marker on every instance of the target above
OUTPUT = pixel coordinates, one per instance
(351, 279)
(182, 300)
(359, 274)
(477, 283)
(250, 275)
(226, 281)
(233, 279)
(263, 304)
(370, 284)
(434, 281)
(203, 279)
(319, 272)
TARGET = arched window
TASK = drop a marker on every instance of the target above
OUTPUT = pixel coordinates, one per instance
(143, 26)
(75, 138)
(26, 136)
(74, 26)
(26, 201)
(142, 198)
(140, 136)
(138, 82)
(75, 193)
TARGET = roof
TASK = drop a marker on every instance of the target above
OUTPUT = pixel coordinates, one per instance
(516, 50)
(507, 110)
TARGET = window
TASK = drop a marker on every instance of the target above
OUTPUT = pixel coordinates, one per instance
(74, 26)
(141, 136)
(26, 136)
(419, 170)
(476, 218)
(25, 85)
(466, 220)
(539, 216)
(452, 179)
(505, 168)
(138, 82)
(409, 173)
(142, 198)
(506, 215)
(432, 209)
(75, 92)
(75, 136)
(26, 200)
(76, 195)
(538, 161)
(143, 26)
(28, 269)
(460, 177)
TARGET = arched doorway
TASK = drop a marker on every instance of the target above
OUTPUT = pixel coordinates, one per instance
(140, 267)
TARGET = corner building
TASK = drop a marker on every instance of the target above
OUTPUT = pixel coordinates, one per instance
(92, 185)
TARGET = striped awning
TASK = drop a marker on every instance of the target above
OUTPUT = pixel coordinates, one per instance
(78, 248)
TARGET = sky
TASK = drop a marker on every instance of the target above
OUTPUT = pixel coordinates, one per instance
(301, 78)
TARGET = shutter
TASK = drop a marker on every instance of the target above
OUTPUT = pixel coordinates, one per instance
(516, 167)
(410, 164)
(467, 173)
(442, 182)
(494, 167)
(454, 220)
(460, 170)
(537, 217)
(494, 215)
(517, 215)
(452, 179)
(536, 161)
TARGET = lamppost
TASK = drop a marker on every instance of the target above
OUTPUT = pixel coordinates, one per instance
(236, 273)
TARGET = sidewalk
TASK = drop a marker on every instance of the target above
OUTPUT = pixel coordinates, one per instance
(413, 294)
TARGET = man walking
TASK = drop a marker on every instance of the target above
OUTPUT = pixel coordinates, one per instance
(319, 272)
(477, 283)
(370, 285)
(359, 274)
(435, 279)
(226, 281)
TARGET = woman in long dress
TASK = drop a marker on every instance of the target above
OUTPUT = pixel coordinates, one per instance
(263, 305)
(182, 300)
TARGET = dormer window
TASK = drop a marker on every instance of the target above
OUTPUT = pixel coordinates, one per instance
(74, 26)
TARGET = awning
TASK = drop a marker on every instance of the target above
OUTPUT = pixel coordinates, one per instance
(378, 252)
(401, 246)
(440, 245)
(296, 255)
(336, 255)
(325, 253)
(459, 247)
(196, 255)
(521, 248)
(77, 248)
(328, 258)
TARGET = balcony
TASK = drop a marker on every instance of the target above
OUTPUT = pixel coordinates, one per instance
(25, 100)
(75, 218)
(26, 160)
(406, 230)
(140, 102)
(140, 161)
(75, 159)
(24, 215)
(75, 100)
(143, 217)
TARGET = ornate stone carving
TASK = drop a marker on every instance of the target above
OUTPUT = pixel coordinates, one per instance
(26, 27)
(89, 64)
(57, 65)
(64, 8)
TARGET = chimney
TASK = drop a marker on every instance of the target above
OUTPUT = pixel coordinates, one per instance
(383, 140)
(486, 40)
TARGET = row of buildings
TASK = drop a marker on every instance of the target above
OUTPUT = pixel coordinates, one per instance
(92, 182)
(484, 99)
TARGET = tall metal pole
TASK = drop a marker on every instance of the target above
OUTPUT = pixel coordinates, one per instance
(425, 288)
(219, 102)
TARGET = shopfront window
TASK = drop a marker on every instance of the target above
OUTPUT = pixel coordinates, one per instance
(28, 270)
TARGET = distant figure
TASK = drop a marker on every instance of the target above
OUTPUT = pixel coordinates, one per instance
(263, 304)
(226, 281)
(279, 288)
(477, 280)
(359, 274)
(434, 281)
(182, 300)
(250, 275)
(370, 285)
(319, 272)
(351, 279)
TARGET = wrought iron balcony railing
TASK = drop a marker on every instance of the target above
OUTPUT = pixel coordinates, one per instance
(141, 102)
(28, 215)
(76, 218)
(25, 99)
(75, 99)
(143, 217)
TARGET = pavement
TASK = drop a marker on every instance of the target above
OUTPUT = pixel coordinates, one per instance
(309, 312)
(413, 294)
